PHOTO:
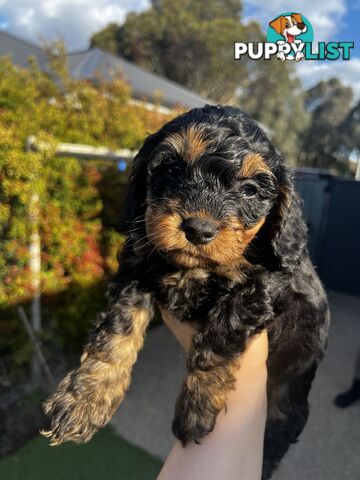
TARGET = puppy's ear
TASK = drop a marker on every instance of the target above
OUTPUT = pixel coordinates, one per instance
(277, 24)
(134, 202)
(288, 232)
(297, 17)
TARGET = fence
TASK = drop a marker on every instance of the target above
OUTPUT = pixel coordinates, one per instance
(332, 213)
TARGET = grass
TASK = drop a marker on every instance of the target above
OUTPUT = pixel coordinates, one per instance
(107, 456)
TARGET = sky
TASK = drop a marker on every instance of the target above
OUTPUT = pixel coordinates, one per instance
(76, 20)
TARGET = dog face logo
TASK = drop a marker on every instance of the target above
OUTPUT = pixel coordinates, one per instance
(289, 26)
(290, 29)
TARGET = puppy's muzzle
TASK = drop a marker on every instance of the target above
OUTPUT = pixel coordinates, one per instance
(199, 231)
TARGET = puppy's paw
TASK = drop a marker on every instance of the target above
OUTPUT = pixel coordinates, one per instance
(192, 427)
(194, 418)
(76, 411)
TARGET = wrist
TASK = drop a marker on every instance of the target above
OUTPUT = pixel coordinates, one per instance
(250, 387)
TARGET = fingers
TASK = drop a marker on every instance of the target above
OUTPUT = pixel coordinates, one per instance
(255, 354)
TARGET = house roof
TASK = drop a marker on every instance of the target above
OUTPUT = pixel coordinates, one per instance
(93, 63)
(20, 50)
(145, 85)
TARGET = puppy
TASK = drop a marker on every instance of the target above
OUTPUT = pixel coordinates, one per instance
(289, 26)
(216, 236)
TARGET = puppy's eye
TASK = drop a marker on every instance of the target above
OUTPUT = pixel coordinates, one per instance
(248, 190)
(287, 24)
(172, 169)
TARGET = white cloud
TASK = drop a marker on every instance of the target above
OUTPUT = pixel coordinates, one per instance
(76, 20)
(347, 71)
(72, 20)
(325, 15)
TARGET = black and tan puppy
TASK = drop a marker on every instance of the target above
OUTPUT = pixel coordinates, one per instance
(215, 235)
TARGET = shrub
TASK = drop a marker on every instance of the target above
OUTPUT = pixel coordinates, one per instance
(78, 202)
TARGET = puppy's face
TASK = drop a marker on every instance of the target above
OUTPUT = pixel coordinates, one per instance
(207, 197)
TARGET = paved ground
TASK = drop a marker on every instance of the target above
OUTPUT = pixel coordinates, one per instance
(330, 445)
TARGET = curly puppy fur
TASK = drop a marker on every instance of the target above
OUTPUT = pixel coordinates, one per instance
(215, 235)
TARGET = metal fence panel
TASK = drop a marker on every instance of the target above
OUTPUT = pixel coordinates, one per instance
(331, 208)
(341, 252)
(314, 190)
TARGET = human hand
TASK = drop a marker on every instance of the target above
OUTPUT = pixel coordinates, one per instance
(234, 448)
(253, 360)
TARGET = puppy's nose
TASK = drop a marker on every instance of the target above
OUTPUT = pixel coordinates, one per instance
(199, 230)
(301, 26)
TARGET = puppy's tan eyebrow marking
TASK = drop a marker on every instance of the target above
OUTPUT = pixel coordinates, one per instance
(253, 164)
(190, 143)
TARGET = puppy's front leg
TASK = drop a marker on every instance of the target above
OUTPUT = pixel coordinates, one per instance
(88, 396)
(213, 359)
(209, 379)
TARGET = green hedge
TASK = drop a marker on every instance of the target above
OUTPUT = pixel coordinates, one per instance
(79, 202)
